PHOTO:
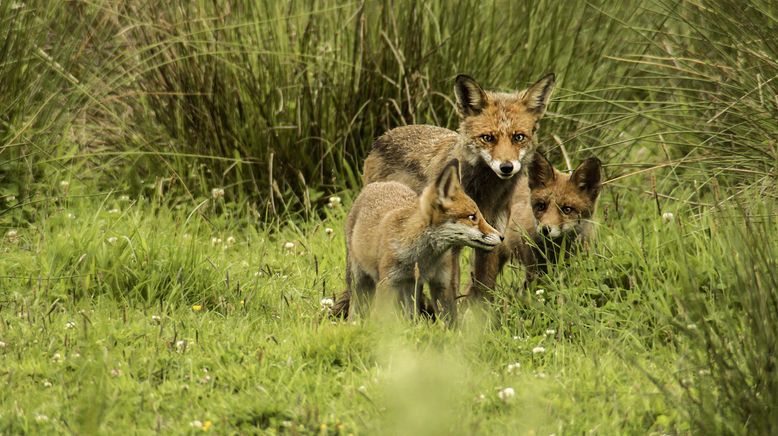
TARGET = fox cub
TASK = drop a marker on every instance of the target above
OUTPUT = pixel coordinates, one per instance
(398, 239)
(495, 141)
(551, 211)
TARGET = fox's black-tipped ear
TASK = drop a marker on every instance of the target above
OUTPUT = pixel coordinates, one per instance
(448, 181)
(538, 95)
(588, 176)
(540, 171)
(471, 99)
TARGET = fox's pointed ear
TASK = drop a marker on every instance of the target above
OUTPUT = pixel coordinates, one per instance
(471, 99)
(588, 176)
(537, 96)
(540, 171)
(448, 183)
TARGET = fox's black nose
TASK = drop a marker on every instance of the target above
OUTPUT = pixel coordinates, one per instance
(545, 230)
(502, 238)
(506, 167)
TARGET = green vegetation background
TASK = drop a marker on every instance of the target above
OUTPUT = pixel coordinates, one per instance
(134, 296)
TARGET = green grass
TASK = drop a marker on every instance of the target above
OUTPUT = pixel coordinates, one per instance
(117, 120)
(104, 334)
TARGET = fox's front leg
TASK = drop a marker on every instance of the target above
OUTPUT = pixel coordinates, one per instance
(444, 296)
(485, 270)
(453, 285)
(487, 264)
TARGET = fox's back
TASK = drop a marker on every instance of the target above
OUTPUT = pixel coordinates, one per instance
(412, 155)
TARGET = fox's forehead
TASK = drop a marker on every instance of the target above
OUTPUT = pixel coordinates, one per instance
(562, 192)
(462, 204)
(503, 114)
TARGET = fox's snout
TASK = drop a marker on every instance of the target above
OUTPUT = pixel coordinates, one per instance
(555, 231)
(489, 235)
(549, 231)
(505, 169)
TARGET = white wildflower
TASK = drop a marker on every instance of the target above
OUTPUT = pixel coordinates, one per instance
(540, 374)
(506, 394)
(114, 211)
(538, 350)
(41, 418)
(180, 346)
(326, 303)
(156, 318)
(335, 200)
(328, 231)
(216, 241)
(71, 216)
(550, 332)
(196, 424)
(3, 344)
(70, 325)
(513, 367)
(691, 326)
(47, 384)
(112, 240)
(230, 240)
(116, 372)
(217, 193)
(56, 357)
(64, 185)
(289, 245)
(12, 235)
(124, 198)
(362, 389)
(10, 198)
(668, 217)
(540, 292)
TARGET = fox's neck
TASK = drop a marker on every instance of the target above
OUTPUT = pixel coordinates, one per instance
(491, 193)
(421, 242)
(549, 250)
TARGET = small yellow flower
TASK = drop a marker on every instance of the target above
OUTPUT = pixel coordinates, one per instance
(242, 302)
(197, 307)
(207, 425)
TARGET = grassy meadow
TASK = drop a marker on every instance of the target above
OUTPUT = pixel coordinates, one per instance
(174, 179)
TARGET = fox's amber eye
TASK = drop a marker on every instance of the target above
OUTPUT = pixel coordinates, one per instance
(540, 206)
(472, 217)
(519, 137)
(487, 138)
(567, 210)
